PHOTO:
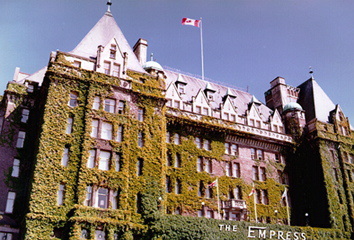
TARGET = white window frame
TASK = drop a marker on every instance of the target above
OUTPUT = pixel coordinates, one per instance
(61, 195)
(94, 128)
(11, 196)
(104, 160)
(20, 139)
(96, 103)
(25, 115)
(15, 168)
(69, 125)
(106, 131)
(65, 157)
(109, 105)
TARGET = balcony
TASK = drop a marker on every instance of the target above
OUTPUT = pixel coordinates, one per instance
(234, 204)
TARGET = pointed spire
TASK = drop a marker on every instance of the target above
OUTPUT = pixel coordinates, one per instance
(230, 93)
(109, 4)
(208, 87)
(311, 72)
(255, 100)
(180, 79)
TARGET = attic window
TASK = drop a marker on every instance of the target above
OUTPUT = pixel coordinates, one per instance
(113, 51)
(77, 64)
(181, 88)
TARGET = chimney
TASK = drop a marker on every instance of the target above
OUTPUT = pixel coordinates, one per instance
(140, 50)
(17, 71)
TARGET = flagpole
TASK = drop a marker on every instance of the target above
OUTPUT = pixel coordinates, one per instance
(255, 204)
(201, 46)
(218, 195)
(287, 207)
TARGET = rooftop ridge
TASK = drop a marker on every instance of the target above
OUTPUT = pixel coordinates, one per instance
(205, 79)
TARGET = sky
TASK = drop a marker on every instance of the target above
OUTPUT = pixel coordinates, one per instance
(247, 43)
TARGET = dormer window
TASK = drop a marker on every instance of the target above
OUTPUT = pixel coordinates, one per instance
(181, 88)
(113, 51)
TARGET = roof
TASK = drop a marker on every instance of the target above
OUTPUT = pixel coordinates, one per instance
(194, 85)
(152, 65)
(101, 34)
(315, 101)
(292, 106)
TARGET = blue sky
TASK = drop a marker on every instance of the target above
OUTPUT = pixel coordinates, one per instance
(247, 43)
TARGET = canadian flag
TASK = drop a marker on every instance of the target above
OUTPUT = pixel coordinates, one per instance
(252, 191)
(213, 184)
(192, 22)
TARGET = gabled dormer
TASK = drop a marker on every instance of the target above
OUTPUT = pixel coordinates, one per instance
(275, 122)
(340, 121)
(253, 115)
(173, 97)
(209, 91)
(228, 109)
(201, 104)
(180, 84)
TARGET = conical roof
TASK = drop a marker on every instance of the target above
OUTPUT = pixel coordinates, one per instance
(102, 33)
(315, 101)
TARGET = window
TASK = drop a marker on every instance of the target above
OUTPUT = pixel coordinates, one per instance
(168, 136)
(94, 130)
(236, 170)
(263, 175)
(106, 131)
(30, 87)
(91, 159)
(264, 194)
(140, 114)
(77, 64)
(169, 160)
(277, 157)
(227, 148)
(251, 122)
(88, 200)
(96, 103)
(198, 142)
(201, 189)
(25, 114)
(140, 139)
(15, 168)
(206, 144)
(61, 194)
(209, 192)
(5, 236)
(255, 173)
(139, 201)
(102, 198)
(198, 109)
(65, 157)
(209, 214)
(233, 117)
(234, 150)
(235, 193)
(115, 70)
(117, 162)
(10, 202)
(20, 139)
(253, 153)
(232, 169)
(178, 160)
(226, 116)
(178, 186)
(100, 235)
(107, 67)
(139, 167)
(177, 139)
(103, 161)
(121, 106)
(205, 111)
(73, 99)
(168, 184)
(204, 164)
(177, 104)
(113, 50)
(116, 199)
(109, 105)
(259, 154)
(258, 196)
(84, 234)
(119, 137)
(258, 124)
(69, 125)
(181, 88)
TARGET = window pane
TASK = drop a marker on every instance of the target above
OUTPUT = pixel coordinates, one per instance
(121, 107)
(96, 103)
(20, 139)
(109, 105)
(107, 67)
(102, 197)
(91, 159)
(106, 132)
(65, 157)
(25, 114)
(10, 202)
(73, 99)
(15, 168)
(94, 130)
(103, 163)
(119, 137)
(116, 69)
(69, 125)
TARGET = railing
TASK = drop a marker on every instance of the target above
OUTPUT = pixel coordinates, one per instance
(234, 204)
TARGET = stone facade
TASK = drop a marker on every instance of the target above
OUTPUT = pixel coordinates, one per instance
(101, 144)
